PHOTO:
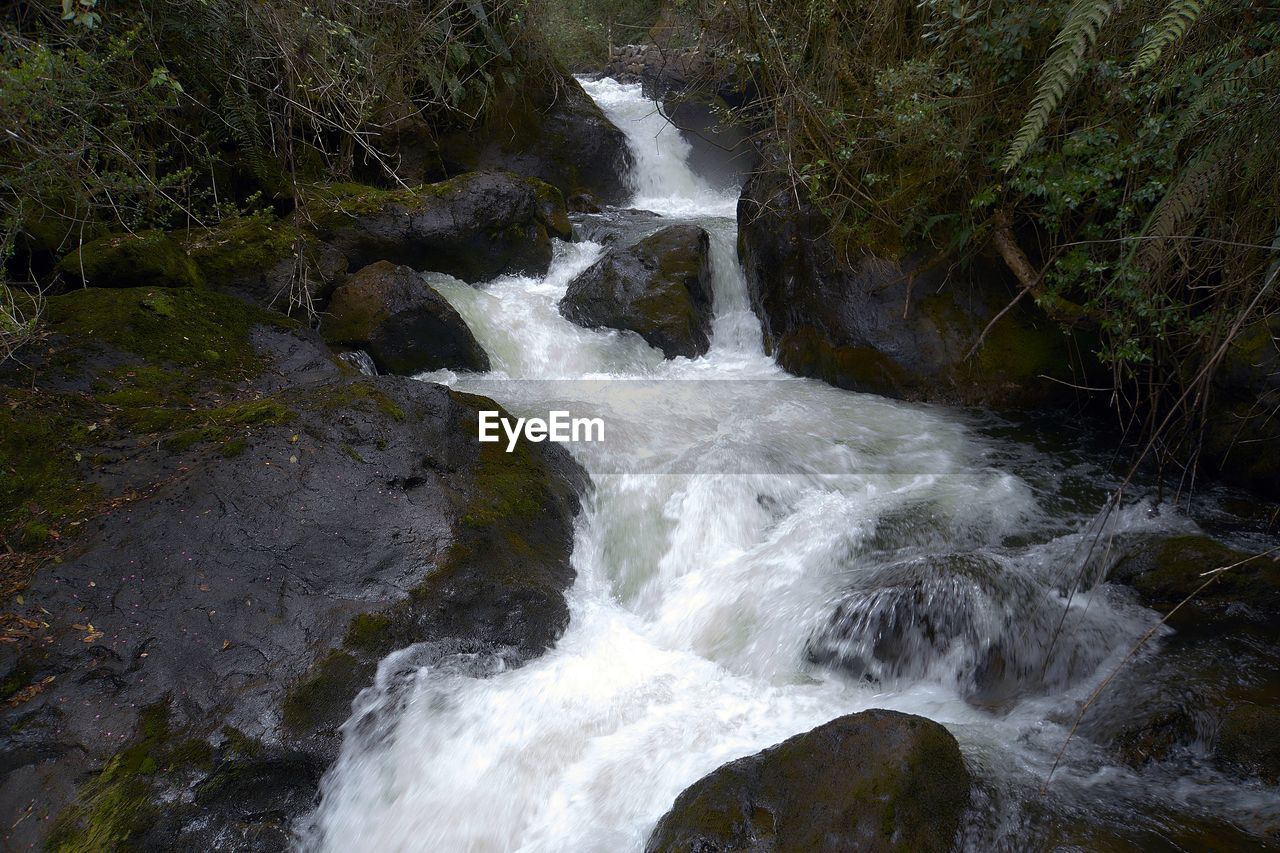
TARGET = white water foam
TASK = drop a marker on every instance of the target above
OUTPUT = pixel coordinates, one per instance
(700, 582)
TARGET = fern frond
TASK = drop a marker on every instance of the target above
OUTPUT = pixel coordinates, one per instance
(1172, 26)
(1078, 34)
(1177, 212)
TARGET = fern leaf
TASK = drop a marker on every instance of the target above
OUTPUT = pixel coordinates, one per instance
(1172, 26)
(1176, 213)
(1078, 34)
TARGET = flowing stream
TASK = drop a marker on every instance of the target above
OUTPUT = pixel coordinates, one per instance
(748, 537)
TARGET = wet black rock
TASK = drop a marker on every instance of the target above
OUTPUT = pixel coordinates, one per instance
(722, 150)
(1207, 687)
(402, 322)
(874, 781)
(992, 633)
(1249, 741)
(196, 652)
(659, 288)
(902, 328)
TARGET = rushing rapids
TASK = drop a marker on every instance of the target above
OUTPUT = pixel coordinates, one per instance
(760, 554)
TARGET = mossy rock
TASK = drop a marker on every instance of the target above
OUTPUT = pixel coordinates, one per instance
(240, 247)
(41, 480)
(903, 321)
(402, 322)
(1241, 424)
(474, 227)
(117, 807)
(659, 288)
(1166, 571)
(873, 781)
(144, 259)
(195, 330)
(804, 352)
(498, 585)
(323, 696)
(167, 363)
(546, 126)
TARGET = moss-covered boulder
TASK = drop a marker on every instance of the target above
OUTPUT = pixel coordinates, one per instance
(401, 321)
(474, 227)
(1166, 570)
(258, 256)
(659, 288)
(144, 259)
(874, 781)
(891, 322)
(1242, 427)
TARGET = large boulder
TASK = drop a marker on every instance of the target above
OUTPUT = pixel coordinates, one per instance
(545, 126)
(402, 322)
(144, 259)
(900, 327)
(659, 288)
(252, 529)
(473, 227)
(874, 781)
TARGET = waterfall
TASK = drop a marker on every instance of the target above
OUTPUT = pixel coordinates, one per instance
(746, 531)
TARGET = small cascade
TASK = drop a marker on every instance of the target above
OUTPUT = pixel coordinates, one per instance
(760, 554)
(361, 361)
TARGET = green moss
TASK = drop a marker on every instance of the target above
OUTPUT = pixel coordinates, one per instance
(368, 632)
(121, 803)
(334, 205)
(240, 745)
(1181, 561)
(351, 451)
(552, 208)
(21, 676)
(35, 535)
(40, 478)
(805, 352)
(1169, 570)
(241, 247)
(193, 330)
(323, 696)
(194, 346)
(145, 259)
(234, 447)
(1018, 350)
(360, 394)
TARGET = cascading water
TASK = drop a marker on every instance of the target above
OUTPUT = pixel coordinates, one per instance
(760, 554)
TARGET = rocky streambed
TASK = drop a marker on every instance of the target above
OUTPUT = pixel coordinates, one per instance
(261, 599)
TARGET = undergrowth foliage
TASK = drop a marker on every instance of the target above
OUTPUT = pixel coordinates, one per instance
(181, 113)
(1127, 149)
